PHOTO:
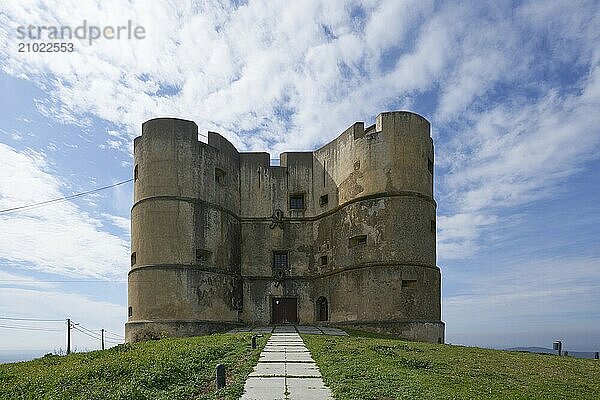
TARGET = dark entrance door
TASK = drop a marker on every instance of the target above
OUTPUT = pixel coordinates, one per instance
(285, 310)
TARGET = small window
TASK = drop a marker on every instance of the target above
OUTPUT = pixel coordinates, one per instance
(135, 173)
(133, 256)
(297, 202)
(280, 259)
(409, 284)
(357, 240)
(202, 256)
(433, 226)
(130, 312)
(324, 199)
(324, 260)
(430, 165)
(220, 176)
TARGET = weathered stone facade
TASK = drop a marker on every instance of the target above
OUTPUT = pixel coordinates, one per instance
(343, 236)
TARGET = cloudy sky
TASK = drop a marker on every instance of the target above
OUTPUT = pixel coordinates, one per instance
(512, 89)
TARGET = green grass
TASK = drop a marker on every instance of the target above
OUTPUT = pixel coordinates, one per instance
(368, 366)
(163, 369)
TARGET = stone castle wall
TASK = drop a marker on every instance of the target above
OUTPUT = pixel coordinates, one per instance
(203, 233)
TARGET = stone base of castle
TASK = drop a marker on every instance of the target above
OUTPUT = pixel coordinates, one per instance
(421, 331)
(148, 330)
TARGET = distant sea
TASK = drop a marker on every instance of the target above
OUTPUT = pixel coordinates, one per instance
(9, 356)
(543, 350)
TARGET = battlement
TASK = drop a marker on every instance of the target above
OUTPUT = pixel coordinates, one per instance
(219, 235)
(401, 122)
(393, 155)
(170, 127)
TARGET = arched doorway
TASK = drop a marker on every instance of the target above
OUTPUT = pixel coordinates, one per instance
(322, 309)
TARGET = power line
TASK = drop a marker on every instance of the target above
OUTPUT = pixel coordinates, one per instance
(65, 281)
(112, 339)
(112, 334)
(98, 336)
(85, 333)
(79, 326)
(58, 200)
(16, 281)
(92, 331)
(28, 328)
(33, 319)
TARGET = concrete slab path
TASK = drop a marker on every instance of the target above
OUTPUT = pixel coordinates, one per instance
(313, 330)
(286, 370)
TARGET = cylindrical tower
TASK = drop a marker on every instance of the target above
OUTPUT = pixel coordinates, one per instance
(344, 235)
(383, 274)
(184, 278)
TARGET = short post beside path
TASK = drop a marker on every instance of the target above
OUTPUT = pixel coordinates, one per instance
(285, 371)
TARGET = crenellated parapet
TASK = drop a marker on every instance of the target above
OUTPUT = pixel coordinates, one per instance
(354, 221)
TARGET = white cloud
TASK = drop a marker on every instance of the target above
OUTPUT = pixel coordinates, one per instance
(53, 304)
(250, 61)
(58, 238)
(120, 222)
(16, 136)
(531, 300)
(18, 280)
(393, 20)
(458, 233)
(325, 69)
(516, 153)
(513, 94)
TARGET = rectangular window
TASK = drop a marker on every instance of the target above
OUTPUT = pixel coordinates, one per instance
(357, 240)
(297, 202)
(409, 284)
(324, 199)
(324, 260)
(130, 313)
(220, 176)
(430, 166)
(135, 173)
(133, 258)
(280, 259)
(203, 256)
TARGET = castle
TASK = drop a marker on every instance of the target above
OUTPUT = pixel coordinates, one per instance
(341, 236)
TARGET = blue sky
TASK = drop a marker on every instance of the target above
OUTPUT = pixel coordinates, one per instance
(512, 89)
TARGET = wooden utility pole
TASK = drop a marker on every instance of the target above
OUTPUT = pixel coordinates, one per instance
(102, 338)
(68, 335)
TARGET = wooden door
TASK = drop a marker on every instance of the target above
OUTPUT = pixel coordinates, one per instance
(285, 310)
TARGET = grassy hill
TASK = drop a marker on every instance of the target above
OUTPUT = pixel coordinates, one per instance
(163, 369)
(362, 366)
(365, 366)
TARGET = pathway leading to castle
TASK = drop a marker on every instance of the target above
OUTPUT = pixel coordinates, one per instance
(286, 370)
